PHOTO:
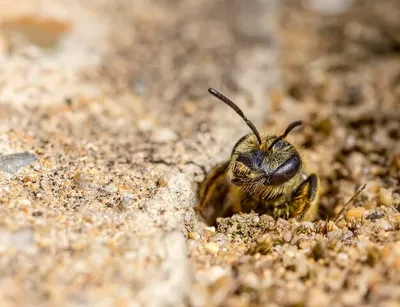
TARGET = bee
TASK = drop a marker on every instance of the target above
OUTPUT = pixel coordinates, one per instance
(265, 174)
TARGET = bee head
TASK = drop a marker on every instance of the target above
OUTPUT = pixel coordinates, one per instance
(263, 165)
(262, 169)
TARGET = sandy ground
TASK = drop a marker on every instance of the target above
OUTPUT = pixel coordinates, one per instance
(107, 130)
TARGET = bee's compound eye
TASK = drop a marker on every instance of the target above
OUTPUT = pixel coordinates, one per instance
(244, 159)
(286, 171)
(251, 159)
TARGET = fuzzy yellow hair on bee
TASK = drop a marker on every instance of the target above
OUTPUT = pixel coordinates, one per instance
(265, 173)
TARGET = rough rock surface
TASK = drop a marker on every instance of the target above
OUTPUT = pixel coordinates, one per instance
(107, 130)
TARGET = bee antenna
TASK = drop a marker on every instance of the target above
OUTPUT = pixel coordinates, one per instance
(287, 131)
(237, 110)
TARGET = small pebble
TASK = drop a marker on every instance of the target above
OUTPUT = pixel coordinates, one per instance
(111, 188)
(193, 235)
(216, 272)
(145, 125)
(81, 181)
(340, 224)
(376, 215)
(208, 232)
(383, 224)
(25, 202)
(304, 244)
(385, 197)
(330, 225)
(164, 135)
(221, 288)
(162, 182)
(212, 248)
(308, 227)
(267, 219)
(14, 162)
(347, 235)
(373, 187)
(355, 214)
(342, 259)
(251, 280)
(124, 204)
(353, 253)
(287, 236)
(335, 234)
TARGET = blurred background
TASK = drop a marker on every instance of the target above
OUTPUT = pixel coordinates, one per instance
(107, 129)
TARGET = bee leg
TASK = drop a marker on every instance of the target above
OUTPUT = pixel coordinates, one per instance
(281, 211)
(214, 195)
(305, 198)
